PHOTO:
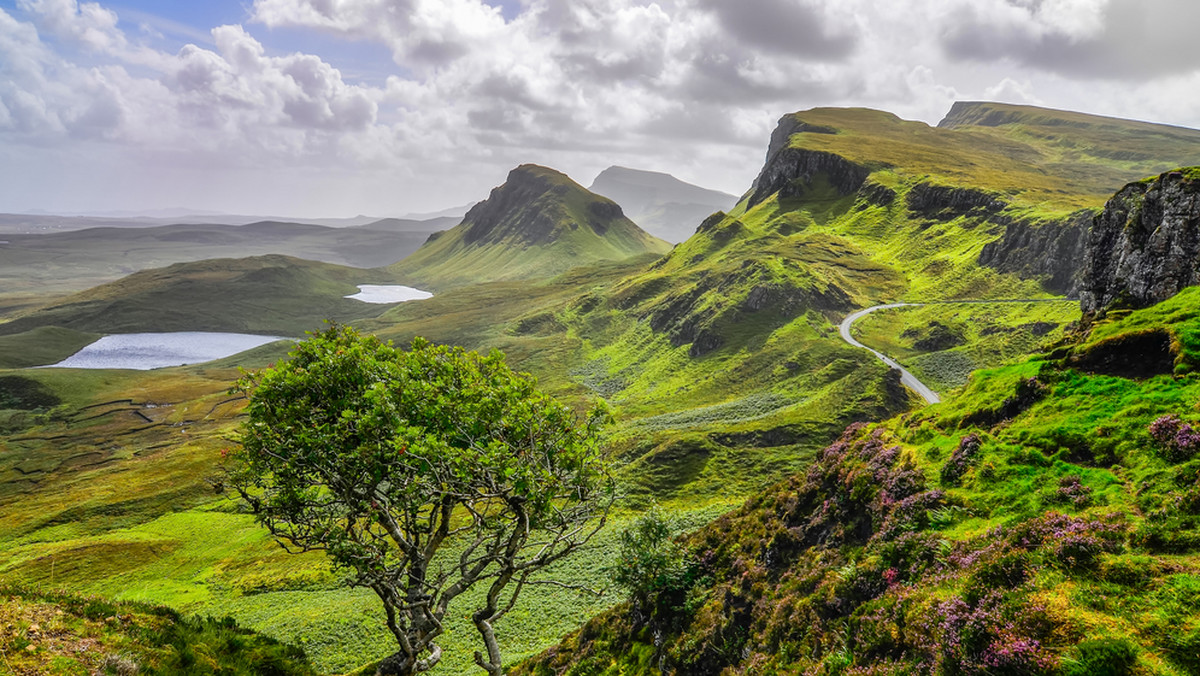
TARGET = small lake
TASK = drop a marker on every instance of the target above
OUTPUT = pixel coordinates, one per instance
(388, 293)
(145, 351)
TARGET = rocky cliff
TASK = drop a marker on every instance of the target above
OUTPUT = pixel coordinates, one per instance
(1052, 252)
(1144, 247)
(788, 167)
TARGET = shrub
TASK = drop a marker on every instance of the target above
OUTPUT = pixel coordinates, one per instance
(652, 567)
(1071, 490)
(961, 460)
(1176, 440)
(1102, 657)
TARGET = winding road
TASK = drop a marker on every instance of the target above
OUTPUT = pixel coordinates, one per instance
(907, 378)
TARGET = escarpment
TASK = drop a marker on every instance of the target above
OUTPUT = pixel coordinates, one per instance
(788, 168)
(1145, 246)
(1052, 252)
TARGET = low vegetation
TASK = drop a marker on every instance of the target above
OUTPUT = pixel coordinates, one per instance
(68, 635)
(1045, 520)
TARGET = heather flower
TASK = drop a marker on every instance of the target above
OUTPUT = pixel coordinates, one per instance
(961, 460)
(1176, 440)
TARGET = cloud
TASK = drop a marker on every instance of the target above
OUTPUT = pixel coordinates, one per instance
(790, 27)
(578, 84)
(1096, 39)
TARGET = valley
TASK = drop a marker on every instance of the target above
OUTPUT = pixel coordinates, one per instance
(984, 459)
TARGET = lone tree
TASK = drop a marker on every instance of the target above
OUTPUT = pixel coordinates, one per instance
(422, 473)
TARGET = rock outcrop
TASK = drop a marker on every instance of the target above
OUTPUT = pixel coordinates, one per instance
(1145, 246)
(788, 167)
(1052, 252)
(945, 202)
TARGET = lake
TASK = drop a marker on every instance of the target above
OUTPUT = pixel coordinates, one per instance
(388, 293)
(145, 351)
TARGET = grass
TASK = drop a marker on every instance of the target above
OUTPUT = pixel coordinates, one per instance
(721, 361)
(943, 344)
(265, 295)
(1068, 531)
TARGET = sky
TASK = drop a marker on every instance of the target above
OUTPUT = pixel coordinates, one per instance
(319, 108)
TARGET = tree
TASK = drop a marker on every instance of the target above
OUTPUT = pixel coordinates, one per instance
(654, 569)
(422, 473)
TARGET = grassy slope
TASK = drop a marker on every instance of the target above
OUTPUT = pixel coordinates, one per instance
(73, 261)
(703, 425)
(1051, 160)
(69, 635)
(1069, 542)
(551, 225)
(943, 344)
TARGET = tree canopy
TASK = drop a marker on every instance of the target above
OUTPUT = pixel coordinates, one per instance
(422, 472)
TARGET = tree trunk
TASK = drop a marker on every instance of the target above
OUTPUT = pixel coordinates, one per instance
(400, 664)
(397, 664)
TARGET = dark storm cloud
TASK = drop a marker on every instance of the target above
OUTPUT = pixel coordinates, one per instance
(1139, 39)
(781, 26)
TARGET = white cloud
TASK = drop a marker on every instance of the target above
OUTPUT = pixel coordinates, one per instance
(690, 86)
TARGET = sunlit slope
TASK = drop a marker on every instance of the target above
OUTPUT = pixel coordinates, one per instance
(538, 224)
(1033, 156)
(1044, 521)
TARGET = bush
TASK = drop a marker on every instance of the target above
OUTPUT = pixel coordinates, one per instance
(1102, 657)
(961, 460)
(651, 567)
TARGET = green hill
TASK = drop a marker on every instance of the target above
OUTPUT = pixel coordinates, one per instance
(274, 295)
(538, 224)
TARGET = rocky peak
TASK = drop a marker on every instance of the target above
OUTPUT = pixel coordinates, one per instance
(1145, 246)
(532, 206)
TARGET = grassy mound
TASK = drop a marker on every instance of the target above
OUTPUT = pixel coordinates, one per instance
(65, 634)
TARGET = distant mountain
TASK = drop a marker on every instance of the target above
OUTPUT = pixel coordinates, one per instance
(538, 224)
(426, 225)
(38, 223)
(663, 205)
(453, 212)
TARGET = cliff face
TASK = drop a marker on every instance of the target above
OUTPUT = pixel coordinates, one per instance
(1052, 252)
(786, 166)
(1144, 247)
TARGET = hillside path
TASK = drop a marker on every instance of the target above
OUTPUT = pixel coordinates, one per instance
(907, 378)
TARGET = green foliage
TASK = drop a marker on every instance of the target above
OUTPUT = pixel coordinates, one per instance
(651, 566)
(1102, 657)
(422, 473)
